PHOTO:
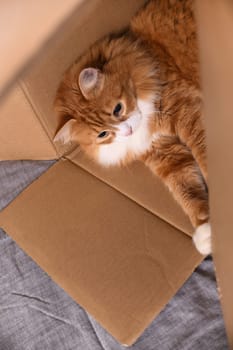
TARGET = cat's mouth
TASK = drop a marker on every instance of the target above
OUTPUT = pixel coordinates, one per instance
(129, 126)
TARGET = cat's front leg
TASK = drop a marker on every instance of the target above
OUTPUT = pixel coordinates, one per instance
(173, 162)
(191, 131)
(202, 238)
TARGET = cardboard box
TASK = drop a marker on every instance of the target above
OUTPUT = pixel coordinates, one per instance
(115, 240)
(215, 23)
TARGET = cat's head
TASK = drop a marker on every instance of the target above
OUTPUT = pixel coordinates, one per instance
(110, 99)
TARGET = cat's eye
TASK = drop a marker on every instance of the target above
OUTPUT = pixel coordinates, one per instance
(103, 134)
(118, 110)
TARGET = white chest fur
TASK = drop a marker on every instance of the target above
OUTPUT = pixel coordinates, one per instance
(137, 143)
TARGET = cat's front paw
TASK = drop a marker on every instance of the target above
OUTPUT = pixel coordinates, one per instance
(202, 239)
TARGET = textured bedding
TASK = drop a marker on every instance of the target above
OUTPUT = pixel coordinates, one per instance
(36, 314)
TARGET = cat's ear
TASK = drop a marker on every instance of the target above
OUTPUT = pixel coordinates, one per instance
(91, 82)
(66, 135)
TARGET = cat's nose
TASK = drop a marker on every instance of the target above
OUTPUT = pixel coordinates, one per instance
(125, 129)
(129, 131)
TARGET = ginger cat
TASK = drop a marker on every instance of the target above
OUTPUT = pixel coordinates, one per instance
(136, 96)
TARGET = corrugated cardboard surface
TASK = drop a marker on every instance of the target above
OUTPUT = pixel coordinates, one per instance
(139, 184)
(25, 26)
(22, 136)
(119, 261)
(215, 19)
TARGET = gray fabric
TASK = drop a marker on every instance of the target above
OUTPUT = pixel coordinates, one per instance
(36, 314)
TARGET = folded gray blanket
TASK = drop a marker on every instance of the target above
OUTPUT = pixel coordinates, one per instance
(36, 314)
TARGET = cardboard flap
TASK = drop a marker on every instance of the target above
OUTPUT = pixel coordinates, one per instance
(21, 134)
(116, 259)
(215, 22)
(32, 23)
(154, 196)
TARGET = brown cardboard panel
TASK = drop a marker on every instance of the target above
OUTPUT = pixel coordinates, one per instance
(21, 135)
(139, 184)
(118, 260)
(92, 20)
(25, 26)
(215, 20)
